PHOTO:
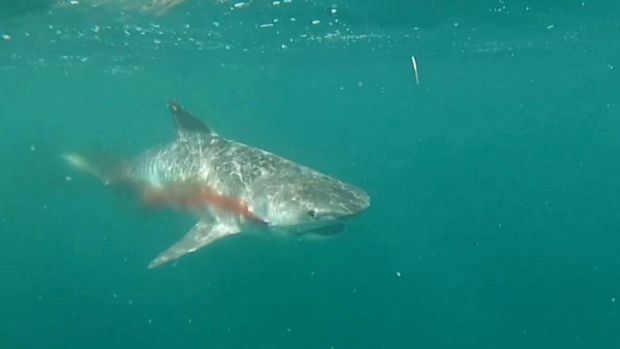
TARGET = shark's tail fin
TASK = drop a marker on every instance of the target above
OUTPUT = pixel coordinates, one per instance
(110, 170)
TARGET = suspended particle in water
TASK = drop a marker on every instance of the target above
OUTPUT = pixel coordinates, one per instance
(240, 5)
(414, 65)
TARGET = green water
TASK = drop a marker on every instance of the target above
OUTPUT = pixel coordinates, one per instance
(494, 182)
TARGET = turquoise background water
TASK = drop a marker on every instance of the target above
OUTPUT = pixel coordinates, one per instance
(494, 182)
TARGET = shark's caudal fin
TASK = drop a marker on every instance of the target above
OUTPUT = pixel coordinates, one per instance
(110, 170)
(201, 234)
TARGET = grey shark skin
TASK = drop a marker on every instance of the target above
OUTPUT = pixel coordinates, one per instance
(230, 187)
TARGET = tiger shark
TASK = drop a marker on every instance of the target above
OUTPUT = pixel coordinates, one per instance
(229, 187)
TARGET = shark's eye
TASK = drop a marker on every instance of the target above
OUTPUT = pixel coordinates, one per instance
(312, 213)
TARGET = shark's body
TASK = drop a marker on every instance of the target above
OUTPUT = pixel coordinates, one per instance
(230, 187)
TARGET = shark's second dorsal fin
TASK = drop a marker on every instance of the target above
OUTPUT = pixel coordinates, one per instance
(186, 122)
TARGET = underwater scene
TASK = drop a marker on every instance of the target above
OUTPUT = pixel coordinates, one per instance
(309, 174)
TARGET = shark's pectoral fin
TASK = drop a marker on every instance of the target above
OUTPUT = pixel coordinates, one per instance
(201, 234)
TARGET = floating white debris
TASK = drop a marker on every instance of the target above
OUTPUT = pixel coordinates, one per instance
(414, 64)
(316, 22)
(74, 2)
(550, 26)
(613, 299)
(6, 37)
(398, 274)
(33, 147)
(68, 178)
(242, 4)
(334, 11)
(275, 3)
(266, 25)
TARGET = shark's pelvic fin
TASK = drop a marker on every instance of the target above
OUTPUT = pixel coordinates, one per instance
(186, 122)
(201, 234)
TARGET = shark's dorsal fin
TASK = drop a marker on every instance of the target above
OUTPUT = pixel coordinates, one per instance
(186, 122)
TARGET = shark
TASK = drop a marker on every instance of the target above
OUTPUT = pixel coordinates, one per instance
(228, 186)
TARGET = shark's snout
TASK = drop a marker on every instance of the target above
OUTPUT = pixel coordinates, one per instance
(341, 203)
(315, 200)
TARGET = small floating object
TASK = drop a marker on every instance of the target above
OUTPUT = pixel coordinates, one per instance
(242, 4)
(6, 37)
(415, 70)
